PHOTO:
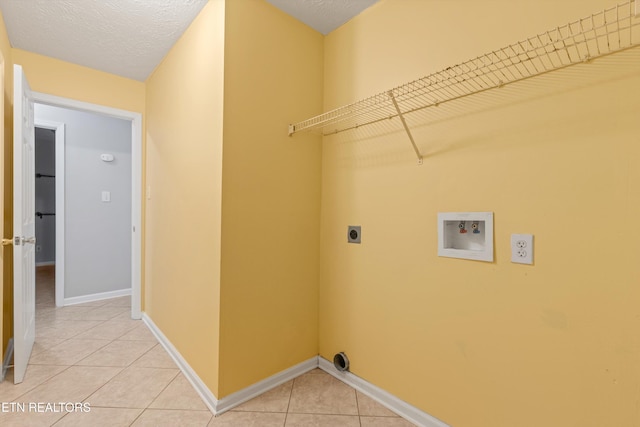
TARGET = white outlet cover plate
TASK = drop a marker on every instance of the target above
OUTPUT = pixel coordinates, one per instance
(522, 248)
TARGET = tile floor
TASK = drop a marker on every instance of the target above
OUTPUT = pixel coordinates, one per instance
(94, 354)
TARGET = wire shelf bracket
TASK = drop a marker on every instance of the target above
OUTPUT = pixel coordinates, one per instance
(603, 33)
(406, 127)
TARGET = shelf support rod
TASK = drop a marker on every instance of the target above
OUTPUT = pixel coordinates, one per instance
(406, 127)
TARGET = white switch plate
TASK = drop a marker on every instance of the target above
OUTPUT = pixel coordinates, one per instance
(106, 196)
(522, 248)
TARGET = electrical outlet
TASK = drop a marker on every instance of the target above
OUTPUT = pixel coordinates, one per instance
(522, 248)
(353, 234)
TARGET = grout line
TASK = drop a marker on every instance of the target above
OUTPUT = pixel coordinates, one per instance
(139, 415)
(43, 382)
(286, 414)
(162, 391)
(358, 408)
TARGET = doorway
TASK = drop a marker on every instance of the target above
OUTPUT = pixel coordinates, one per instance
(107, 198)
(49, 203)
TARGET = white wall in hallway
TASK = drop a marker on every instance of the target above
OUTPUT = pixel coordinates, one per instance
(97, 234)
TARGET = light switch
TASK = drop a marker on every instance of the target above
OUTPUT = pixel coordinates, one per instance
(106, 196)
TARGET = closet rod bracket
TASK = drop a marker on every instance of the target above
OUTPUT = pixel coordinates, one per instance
(406, 127)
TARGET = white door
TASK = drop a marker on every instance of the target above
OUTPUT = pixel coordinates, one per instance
(24, 267)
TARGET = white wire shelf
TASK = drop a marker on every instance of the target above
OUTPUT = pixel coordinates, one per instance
(612, 30)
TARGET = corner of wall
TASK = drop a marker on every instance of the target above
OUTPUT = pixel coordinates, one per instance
(271, 195)
(184, 101)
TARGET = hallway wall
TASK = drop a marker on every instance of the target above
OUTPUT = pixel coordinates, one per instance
(184, 193)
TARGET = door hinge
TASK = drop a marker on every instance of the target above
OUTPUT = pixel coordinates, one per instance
(7, 242)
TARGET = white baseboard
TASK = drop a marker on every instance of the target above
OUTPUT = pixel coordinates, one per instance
(45, 263)
(265, 385)
(209, 399)
(7, 359)
(218, 406)
(97, 297)
(400, 407)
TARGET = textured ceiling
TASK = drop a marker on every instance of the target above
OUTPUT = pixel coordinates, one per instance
(323, 15)
(124, 37)
(130, 37)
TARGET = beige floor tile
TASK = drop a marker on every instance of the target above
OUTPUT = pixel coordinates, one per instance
(45, 312)
(116, 353)
(172, 418)
(17, 418)
(384, 422)
(67, 353)
(102, 313)
(125, 315)
(100, 417)
(74, 384)
(316, 420)
(179, 394)
(35, 375)
(98, 303)
(64, 328)
(72, 312)
(110, 330)
(118, 302)
(100, 340)
(369, 407)
(133, 388)
(157, 357)
(42, 343)
(275, 400)
(139, 333)
(248, 419)
(322, 394)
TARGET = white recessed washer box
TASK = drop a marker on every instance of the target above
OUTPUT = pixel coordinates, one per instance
(466, 235)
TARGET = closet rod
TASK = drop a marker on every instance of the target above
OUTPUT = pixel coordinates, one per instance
(603, 33)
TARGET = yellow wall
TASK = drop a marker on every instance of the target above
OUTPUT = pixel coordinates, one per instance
(60, 78)
(184, 173)
(473, 343)
(271, 195)
(6, 189)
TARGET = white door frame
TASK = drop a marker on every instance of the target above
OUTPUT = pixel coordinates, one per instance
(58, 128)
(136, 183)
